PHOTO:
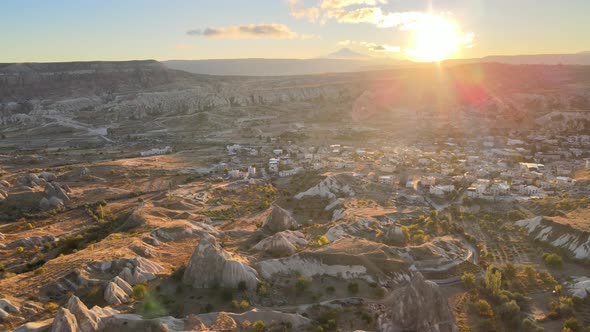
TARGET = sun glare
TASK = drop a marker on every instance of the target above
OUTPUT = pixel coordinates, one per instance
(436, 38)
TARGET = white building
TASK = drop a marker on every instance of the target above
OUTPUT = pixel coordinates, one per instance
(155, 151)
(441, 189)
(291, 172)
(273, 165)
(386, 179)
(251, 172)
(531, 191)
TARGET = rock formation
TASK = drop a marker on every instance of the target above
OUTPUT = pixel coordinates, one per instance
(211, 266)
(279, 220)
(114, 295)
(419, 306)
(133, 270)
(64, 321)
(282, 243)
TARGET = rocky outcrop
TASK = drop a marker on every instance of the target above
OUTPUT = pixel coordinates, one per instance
(48, 176)
(42, 326)
(211, 266)
(296, 321)
(394, 236)
(31, 241)
(279, 220)
(64, 321)
(130, 322)
(580, 287)
(572, 240)
(7, 306)
(40, 80)
(114, 295)
(419, 306)
(88, 320)
(28, 180)
(330, 188)
(133, 270)
(282, 244)
(182, 232)
(346, 259)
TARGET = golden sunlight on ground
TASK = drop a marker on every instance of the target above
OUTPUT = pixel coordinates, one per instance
(437, 38)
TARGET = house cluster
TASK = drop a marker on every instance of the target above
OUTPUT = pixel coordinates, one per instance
(487, 168)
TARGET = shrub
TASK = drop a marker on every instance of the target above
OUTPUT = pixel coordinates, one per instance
(262, 288)
(244, 304)
(150, 307)
(301, 283)
(572, 324)
(227, 294)
(530, 271)
(20, 249)
(259, 326)
(330, 289)
(483, 308)
(552, 259)
(242, 286)
(509, 271)
(380, 292)
(51, 306)
(509, 311)
(353, 288)
(323, 240)
(139, 291)
(468, 280)
(40, 270)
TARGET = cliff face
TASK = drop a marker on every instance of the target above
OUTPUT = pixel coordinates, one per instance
(20, 82)
(419, 306)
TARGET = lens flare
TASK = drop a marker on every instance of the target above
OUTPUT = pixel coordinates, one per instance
(437, 38)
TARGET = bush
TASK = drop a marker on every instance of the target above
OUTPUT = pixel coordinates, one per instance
(227, 294)
(301, 283)
(380, 292)
(572, 324)
(468, 280)
(40, 270)
(259, 326)
(509, 311)
(553, 259)
(150, 307)
(139, 291)
(262, 288)
(323, 240)
(242, 286)
(51, 306)
(353, 288)
(484, 309)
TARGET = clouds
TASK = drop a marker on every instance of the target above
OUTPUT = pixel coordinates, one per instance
(249, 31)
(373, 47)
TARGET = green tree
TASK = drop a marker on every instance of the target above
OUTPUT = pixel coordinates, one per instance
(468, 280)
(259, 326)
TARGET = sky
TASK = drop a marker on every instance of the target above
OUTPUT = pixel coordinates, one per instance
(422, 30)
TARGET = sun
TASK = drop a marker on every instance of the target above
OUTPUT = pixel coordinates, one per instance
(436, 38)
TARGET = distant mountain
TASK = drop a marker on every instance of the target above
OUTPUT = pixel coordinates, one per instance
(346, 53)
(280, 67)
(582, 58)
